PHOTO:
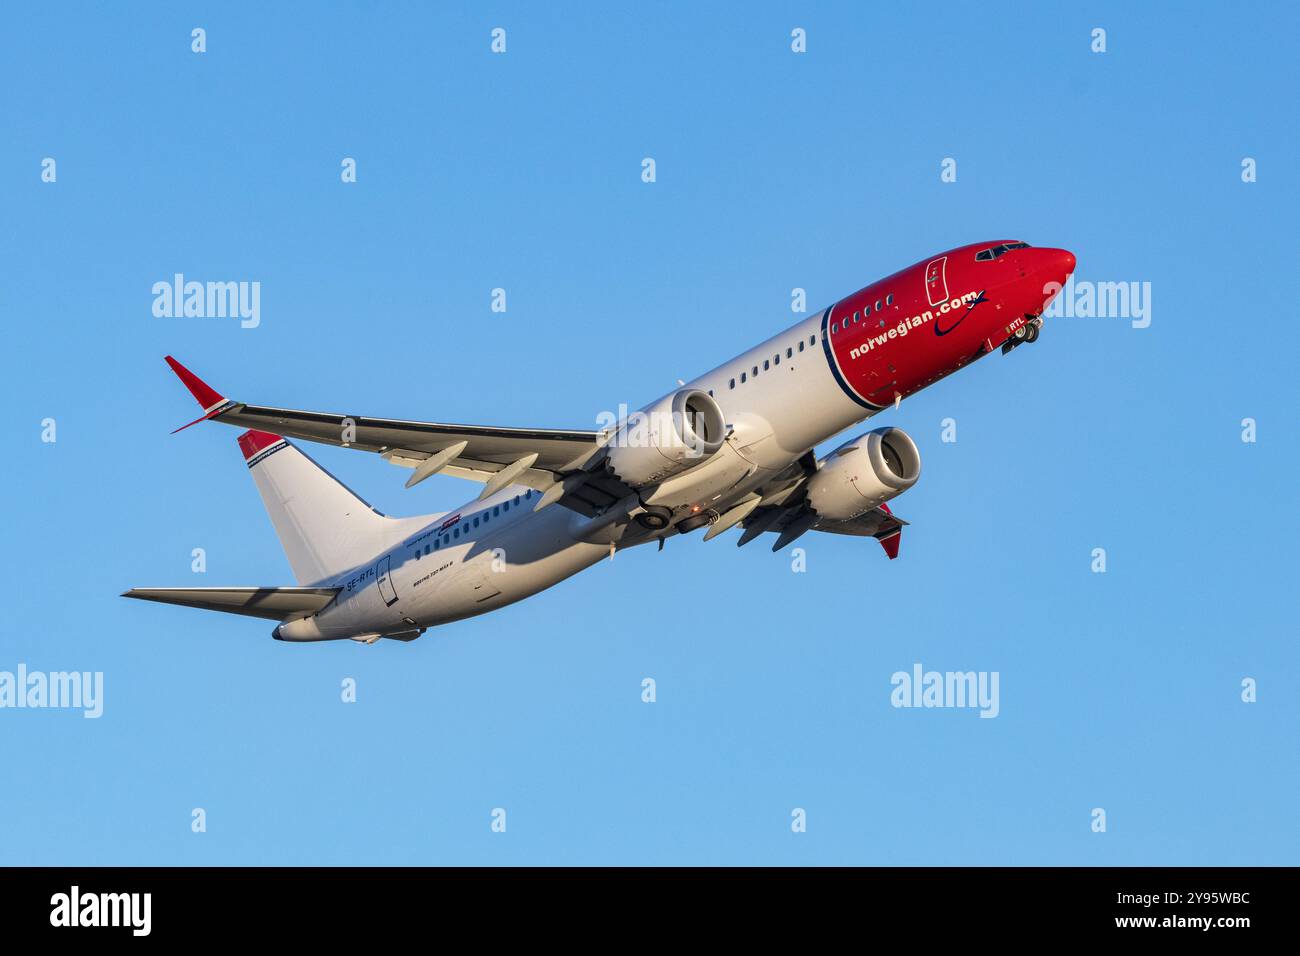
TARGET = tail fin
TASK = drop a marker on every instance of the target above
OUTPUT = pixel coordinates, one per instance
(323, 527)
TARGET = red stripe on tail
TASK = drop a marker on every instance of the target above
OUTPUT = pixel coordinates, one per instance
(252, 442)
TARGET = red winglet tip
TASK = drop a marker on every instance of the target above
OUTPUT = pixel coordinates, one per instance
(203, 393)
(252, 442)
(891, 544)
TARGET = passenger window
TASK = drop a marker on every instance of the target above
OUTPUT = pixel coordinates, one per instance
(877, 305)
(834, 327)
(426, 549)
(789, 353)
(801, 345)
(455, 532)
(776, 359)
(767, 364)
(496, 510)
(516, 499)
(436, 544)
(755, 371)
(889, 299)
(812, 339)
(733, 383)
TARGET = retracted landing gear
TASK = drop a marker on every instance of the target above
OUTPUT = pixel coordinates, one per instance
(654, 518)
(1026, 333)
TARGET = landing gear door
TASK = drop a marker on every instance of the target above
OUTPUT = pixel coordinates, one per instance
(385, 581)
(936, 280)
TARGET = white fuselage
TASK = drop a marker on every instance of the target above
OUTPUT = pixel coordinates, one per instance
(499, 550)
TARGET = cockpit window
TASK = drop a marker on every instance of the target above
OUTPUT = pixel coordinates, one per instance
(987, 255)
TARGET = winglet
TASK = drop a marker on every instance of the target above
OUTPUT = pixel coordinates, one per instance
(891, 543)
(209, 399)
(891, 539)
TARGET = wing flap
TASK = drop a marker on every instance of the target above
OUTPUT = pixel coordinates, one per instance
(275, 604)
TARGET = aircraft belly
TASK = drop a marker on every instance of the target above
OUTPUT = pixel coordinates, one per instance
(506, 567)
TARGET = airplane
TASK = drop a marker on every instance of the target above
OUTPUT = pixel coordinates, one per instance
(733, 447)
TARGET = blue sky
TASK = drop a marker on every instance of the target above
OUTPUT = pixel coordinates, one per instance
(775, 170)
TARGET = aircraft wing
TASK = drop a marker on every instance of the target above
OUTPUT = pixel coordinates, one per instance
(538, 457)
(791, 521)
(783, 509)
(275, 604)
(879, 523)
(487, 449)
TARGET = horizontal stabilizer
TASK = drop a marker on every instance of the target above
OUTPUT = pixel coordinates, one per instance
(275, 604)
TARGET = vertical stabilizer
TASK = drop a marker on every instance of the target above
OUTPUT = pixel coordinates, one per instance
(323, 527)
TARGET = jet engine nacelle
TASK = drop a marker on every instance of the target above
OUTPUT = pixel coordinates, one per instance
(676, 433)
(864, 474)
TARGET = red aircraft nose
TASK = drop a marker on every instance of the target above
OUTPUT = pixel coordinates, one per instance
(1051, 267)
(1058, 261)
